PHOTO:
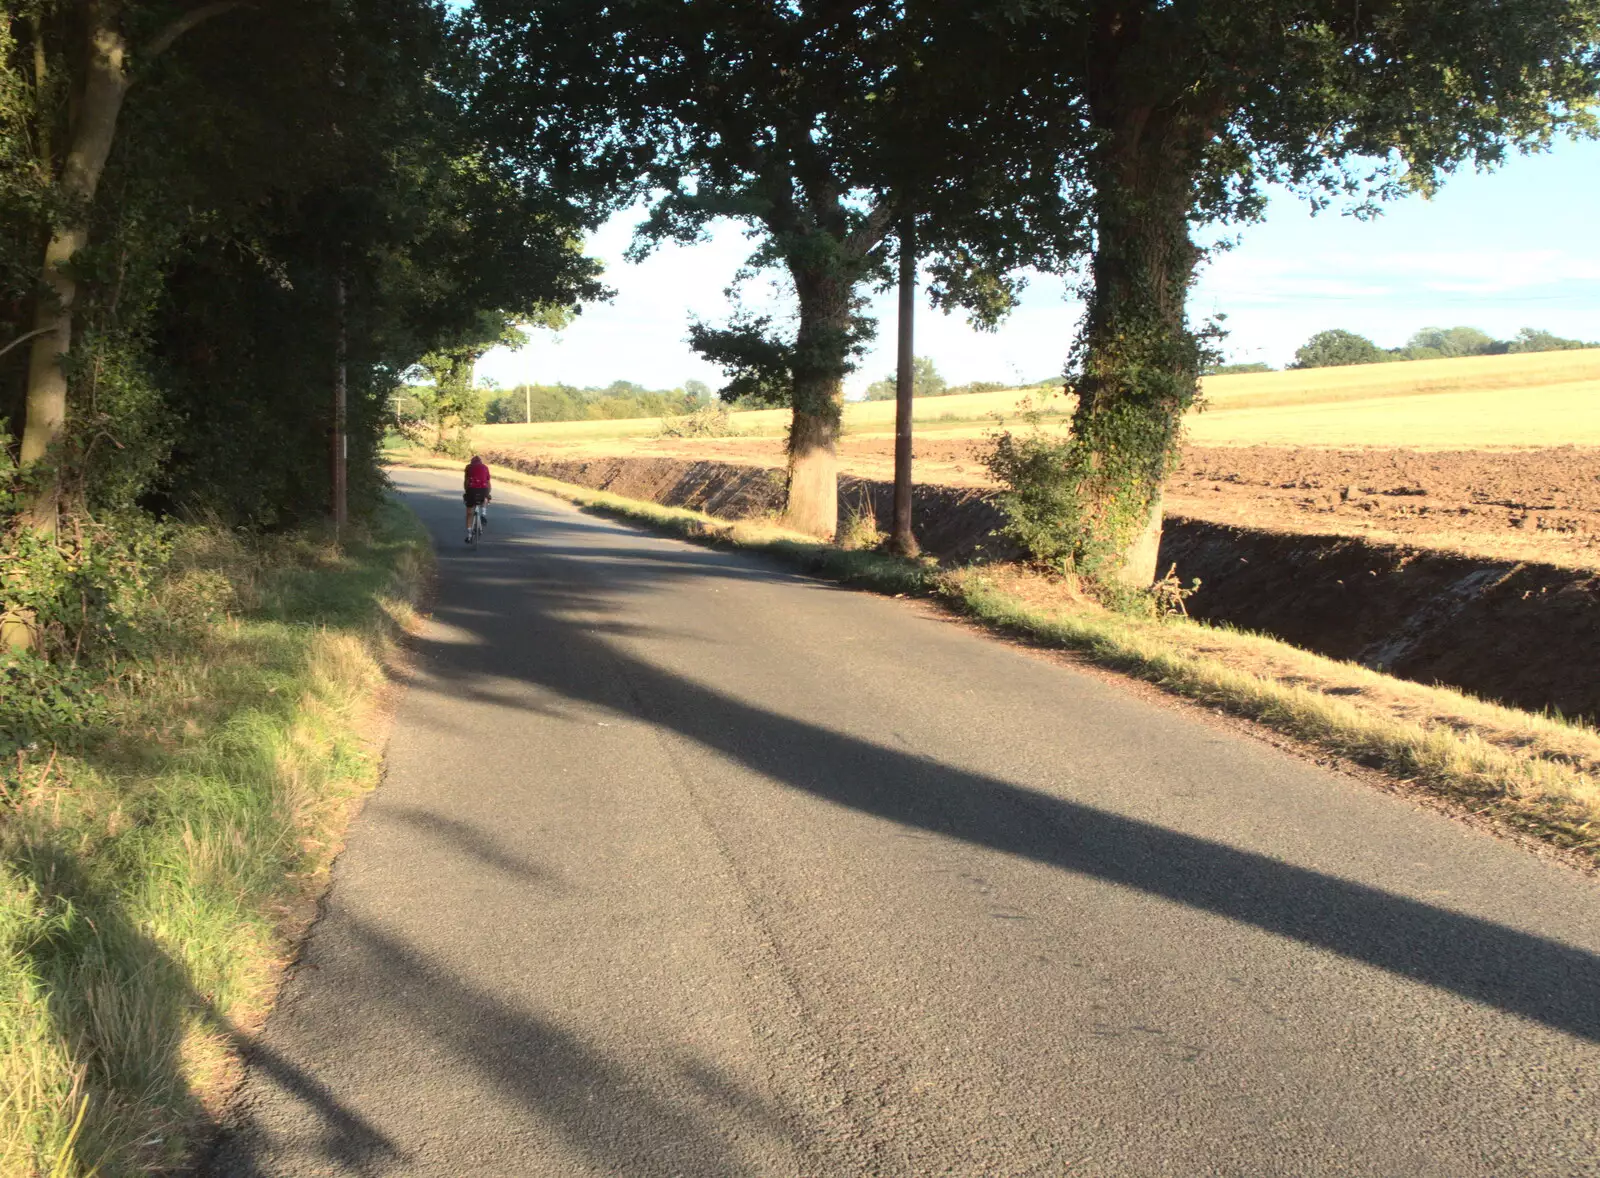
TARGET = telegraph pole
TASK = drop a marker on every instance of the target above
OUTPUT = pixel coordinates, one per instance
(901, 538)
(341, 448)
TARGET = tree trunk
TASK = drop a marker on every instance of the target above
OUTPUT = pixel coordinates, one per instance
(902, 540)
(341, 453)
(1141, 561)
(1140, 363)
(821, 345)
(93, 129)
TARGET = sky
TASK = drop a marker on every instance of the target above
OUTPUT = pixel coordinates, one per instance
(1499, 251)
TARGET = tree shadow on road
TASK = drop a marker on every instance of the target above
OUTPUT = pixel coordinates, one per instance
(600, 1108)
(546, 606)
(1517, 972)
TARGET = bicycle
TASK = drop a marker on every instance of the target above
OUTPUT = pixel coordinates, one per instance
(478, 524)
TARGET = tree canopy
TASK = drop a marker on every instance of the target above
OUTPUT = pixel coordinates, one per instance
(1186, 112)
(816, 124)
(1336, 348)
(268, 165)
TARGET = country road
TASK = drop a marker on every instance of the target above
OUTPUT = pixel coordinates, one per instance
(688, 865)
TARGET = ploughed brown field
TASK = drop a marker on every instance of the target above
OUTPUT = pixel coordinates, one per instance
(1481, 470)
(1505, 504)
(1539, 504)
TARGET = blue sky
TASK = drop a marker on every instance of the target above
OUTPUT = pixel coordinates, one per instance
(1500, 251)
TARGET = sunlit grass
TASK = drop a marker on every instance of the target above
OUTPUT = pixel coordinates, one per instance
(144, 885)
(1535, 773)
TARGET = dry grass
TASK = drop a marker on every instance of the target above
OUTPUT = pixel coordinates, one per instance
(145, 882)
(1360, 382)
(1533, 774)
(1484, 419)
(1539, 399)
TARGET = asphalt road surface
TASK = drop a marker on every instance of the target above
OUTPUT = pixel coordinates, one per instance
(687, 865)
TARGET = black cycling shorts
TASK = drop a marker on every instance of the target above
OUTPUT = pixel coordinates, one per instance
(475, 495)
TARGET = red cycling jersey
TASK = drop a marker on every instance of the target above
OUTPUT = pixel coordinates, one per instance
(477, 476)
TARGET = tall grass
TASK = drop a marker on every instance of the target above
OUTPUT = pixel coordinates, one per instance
(145, 884)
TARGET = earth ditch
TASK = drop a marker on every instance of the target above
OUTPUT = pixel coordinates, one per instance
(1518, 632)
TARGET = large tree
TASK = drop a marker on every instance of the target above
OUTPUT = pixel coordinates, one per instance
(75, 126)
(291, 199)
(265, 158)
(1189, 108)
(1337, 348)
(751, 109)
(823, 126)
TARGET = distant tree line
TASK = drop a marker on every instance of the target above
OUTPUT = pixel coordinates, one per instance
(1332, 349)
(622, 399)
(926, 382)
(617, 401)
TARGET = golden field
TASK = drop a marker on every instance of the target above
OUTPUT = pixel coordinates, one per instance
(1500, 455)
(1480, 402)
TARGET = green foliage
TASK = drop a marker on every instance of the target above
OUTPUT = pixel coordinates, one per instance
(144, 877)
(1236, 369)
(1444, 342)
(86, 598)
(1531, 339)
(617, 401)
(84, 593)
(759, 363)
(44, 704)
(1337, 348)
(1042, 477)
(276, 162)
(709, 421)
(1331, 348)
(808, 123)
(925, 382)
(1168, 116)
(1077, 503)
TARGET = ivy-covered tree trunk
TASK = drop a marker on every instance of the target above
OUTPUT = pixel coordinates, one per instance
(1139, 362)
(94, 127)
(821, 346)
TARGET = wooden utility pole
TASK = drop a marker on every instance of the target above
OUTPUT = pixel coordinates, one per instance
(527, 400)
(341, 449)
(901, 538)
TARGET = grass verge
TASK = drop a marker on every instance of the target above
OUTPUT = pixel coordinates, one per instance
(1536, 775)
(150, 885)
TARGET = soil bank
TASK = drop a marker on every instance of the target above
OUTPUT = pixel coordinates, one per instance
(1520, 632)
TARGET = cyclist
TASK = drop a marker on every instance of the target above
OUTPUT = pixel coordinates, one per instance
(475, 490)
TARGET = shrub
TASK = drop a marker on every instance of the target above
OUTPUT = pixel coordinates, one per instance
(710, 421)
(1335, 349)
